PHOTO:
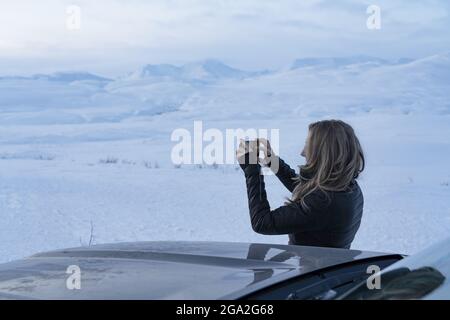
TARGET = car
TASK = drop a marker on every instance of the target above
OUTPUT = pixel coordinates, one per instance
(424, 275)
(199, 270)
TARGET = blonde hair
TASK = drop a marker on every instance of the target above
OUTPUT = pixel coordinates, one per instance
(334, 158)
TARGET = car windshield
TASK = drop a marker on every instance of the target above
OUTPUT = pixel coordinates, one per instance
(422, 275)
(401, 283)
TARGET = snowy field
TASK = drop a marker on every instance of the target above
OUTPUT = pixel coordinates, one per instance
(86, 160)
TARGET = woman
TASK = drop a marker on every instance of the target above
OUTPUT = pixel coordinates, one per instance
(326, 205)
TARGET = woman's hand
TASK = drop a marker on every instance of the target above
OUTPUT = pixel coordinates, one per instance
(267, 152)
(247, 152)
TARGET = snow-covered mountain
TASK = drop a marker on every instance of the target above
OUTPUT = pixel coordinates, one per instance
(203, 71)
(71, 77)
(65, 77)
(312, 86)
(429, 71)
(337, 62)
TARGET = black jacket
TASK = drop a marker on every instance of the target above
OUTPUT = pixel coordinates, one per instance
(331, 221)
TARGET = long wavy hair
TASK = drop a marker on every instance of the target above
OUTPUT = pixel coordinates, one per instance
(334, 159)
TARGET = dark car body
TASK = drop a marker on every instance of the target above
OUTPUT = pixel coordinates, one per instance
(424, 275)
(185, 270)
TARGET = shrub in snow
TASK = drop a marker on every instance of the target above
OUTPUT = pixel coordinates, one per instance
(129, 162)
(109, 160)
(147, 164)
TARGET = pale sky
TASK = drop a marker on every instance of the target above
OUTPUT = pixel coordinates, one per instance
(117, 36)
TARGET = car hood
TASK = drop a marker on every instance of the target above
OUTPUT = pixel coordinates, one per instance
(164, 270)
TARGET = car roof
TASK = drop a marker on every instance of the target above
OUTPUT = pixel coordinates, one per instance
(166, 270)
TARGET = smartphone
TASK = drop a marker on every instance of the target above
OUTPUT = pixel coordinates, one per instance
(247, 142)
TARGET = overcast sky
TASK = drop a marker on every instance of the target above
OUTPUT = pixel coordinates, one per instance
(117, 36)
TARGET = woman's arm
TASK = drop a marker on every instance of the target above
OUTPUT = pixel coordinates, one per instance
(285, 173)
(284, 220)
(281, 169)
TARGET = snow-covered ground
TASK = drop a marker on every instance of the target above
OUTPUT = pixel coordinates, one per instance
(85, 159)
